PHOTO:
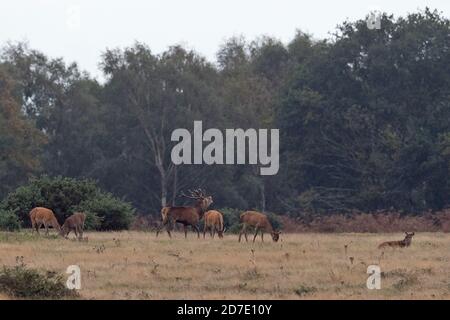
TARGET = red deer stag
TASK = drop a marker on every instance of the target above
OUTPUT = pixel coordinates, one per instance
(214, 222)
(398, 244)
(187, 216)
(42, 216)
(74, 223)
(260, 222)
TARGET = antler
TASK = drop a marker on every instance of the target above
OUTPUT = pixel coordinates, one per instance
(195, 194)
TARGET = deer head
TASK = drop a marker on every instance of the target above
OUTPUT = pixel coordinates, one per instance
(221, 232)
(275, 235)
(408, 238)
(64, 231)
(203, 201)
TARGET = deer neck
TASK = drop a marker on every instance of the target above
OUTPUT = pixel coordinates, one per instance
(200, 208)
(56, 224)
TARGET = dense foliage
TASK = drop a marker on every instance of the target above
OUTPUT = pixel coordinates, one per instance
(65, 196)
(364, 119)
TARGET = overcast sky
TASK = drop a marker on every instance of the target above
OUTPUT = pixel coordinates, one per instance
(80, 30)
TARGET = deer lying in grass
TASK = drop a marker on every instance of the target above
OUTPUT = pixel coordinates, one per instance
(74, 223)
(187, 216)
(260, 222)
(42, 216)
(398, 244)
(214, 222)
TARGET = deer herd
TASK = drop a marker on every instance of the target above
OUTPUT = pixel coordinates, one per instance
(186, 216)
(45, 217)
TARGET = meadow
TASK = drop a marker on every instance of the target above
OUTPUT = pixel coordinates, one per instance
(137, 265)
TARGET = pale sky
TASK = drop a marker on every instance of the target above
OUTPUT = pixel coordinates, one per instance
(80, 30)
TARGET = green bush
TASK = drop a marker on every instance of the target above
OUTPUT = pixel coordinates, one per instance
(93, 221)
(9, 221)
(21, 282)
(231, 219)
(107, 213)
(67, 195)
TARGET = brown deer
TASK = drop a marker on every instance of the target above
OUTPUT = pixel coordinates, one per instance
(400, 244)
(187, 216)
(76, 223)
(42, 216)
(260, 222)
(214, 222)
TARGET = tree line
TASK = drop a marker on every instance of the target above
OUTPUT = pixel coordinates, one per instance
(364, 119)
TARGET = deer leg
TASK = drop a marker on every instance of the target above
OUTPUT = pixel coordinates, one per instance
(213, 232)
(262, 236)
(161, 225)
(242, 231)
(256, 233)
(198, 231)
(185, 231)
(37, 226)
(46, 228)
(168, 225)
(76, 232)
(81, 230)
(204, 231)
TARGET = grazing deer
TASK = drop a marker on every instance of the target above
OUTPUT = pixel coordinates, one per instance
(76, 223)
(214, 222)
(260, 222)
(42, 216)
(187, 216)
(400, 244)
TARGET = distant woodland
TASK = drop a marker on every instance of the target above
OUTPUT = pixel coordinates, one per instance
(364, 119)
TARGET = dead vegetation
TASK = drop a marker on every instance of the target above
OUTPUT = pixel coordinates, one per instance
(383, 221)
(137, 265)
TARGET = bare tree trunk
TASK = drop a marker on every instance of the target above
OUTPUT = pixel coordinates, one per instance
(163, 188)
(175, 185)
(262, 190)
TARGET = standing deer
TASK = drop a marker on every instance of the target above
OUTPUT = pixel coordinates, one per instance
(42, 216)
(400, 244)
(187, 216)
(76, 223)
(214, 222)
(260, 222)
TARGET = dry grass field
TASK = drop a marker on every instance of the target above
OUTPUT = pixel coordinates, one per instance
(137, 265)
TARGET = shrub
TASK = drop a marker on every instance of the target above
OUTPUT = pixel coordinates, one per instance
(9, 221)
(21, 282)
(93, 221)
(107, 213)
(65, 196)
(231, 219)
